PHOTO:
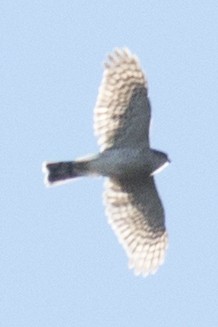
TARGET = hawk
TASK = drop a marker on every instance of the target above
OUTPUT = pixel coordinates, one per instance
(121, 122)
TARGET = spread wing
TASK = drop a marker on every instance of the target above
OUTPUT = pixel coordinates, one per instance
(122, 112)
(136, 215)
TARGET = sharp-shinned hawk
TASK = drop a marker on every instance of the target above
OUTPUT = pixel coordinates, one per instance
(121, 122)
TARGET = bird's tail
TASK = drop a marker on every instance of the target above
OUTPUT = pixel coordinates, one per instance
(61, 172)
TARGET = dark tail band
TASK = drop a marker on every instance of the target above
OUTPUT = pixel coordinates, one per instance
(60, 172)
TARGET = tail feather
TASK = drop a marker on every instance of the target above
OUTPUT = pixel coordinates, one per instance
(60, 172)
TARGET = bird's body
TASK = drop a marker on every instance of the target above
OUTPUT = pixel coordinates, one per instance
(127, 162)
(121, 122)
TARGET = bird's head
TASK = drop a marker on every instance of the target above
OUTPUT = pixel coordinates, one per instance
(160, 161)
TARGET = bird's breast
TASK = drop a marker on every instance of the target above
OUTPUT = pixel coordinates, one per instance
(121, 163)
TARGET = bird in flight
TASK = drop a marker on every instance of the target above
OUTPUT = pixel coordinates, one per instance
(121, 123)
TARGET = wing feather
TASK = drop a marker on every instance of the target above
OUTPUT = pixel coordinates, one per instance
(122, 105)
(136, 215)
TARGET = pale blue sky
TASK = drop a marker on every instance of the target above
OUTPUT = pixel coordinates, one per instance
(61, 264)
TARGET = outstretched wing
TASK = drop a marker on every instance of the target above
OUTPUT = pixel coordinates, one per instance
(122, 112)
(136, 215)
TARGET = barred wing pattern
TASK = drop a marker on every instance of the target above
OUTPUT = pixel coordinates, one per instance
(121, 120)
(122, 111)
(136, 215)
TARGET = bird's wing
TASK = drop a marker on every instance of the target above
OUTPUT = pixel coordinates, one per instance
(136, 215)
(122, 112)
